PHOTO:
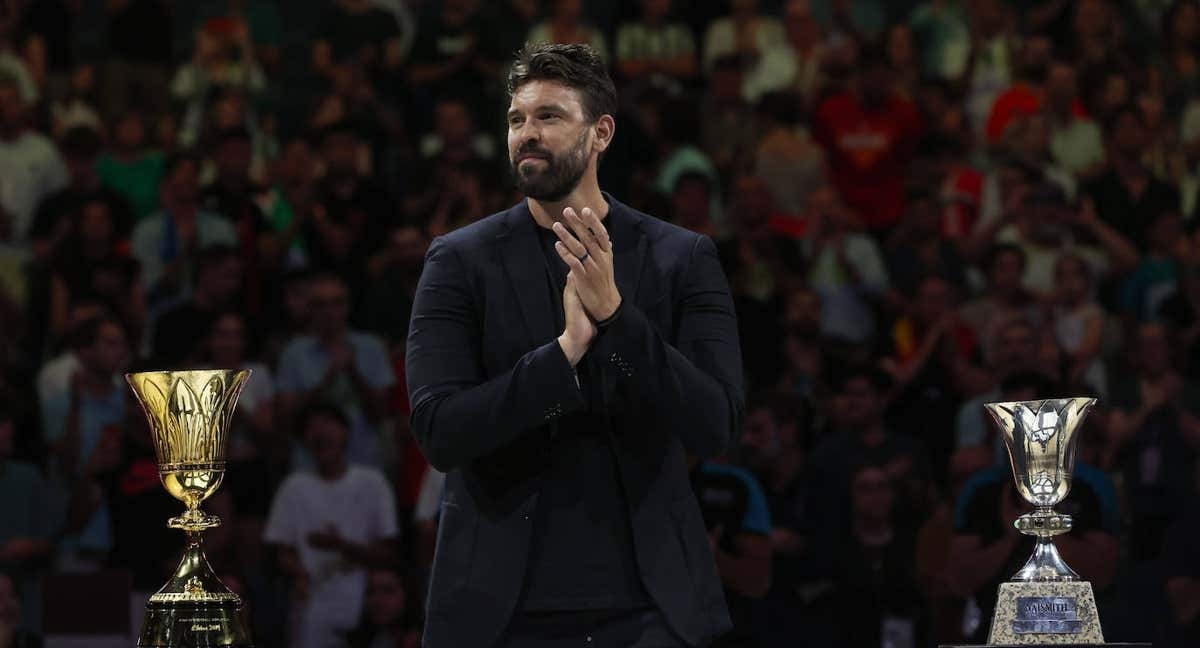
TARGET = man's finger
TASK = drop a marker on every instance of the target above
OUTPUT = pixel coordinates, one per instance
(573, 244)
(592, 221)
(570, 259)
(581, 231)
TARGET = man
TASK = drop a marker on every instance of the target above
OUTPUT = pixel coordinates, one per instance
(82, 427)
(869, 134)
(329, 526)
(25, 525)
(30, 167)
(340, 365)
(166, 243)
(219, 274)
(567, 510)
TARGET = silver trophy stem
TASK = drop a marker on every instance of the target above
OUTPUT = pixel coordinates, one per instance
(1045, 565)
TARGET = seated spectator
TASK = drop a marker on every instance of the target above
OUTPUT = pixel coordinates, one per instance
(329, 527)
(757, 41)
(1127, 195)
(691, 203)
(59, 213)
(218, 286)
(728, 132)
(785, 157)
(224, 56)
(1180, 564)
(869, 135)
(1076, 142)
(166, 243)
(335, 363)
(918, 247)
(566, 25)
(655, 46)
(859, 434)
(877, 599)
(390, 612)
(131, 166)
(30, 166)
(804, 346)
(26, 529)
(1003, 296)
(82, 427)
(93, 264)
(357, 33)
(846, 268)
(1011, 357)
(1078, 323)
(739, 532)
(233, 194)
(1145, 290)
(1153, 438)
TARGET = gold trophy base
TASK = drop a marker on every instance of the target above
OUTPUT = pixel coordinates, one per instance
(194, 609)
(1045, 613)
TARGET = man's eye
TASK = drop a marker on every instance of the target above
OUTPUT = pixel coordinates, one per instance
(545, 117)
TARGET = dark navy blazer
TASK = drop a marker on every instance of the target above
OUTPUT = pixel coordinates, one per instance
(487, 382)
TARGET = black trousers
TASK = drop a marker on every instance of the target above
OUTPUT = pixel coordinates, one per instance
(638, 628)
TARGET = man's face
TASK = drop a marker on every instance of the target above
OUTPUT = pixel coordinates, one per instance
(857, 406)
(326, 438)
(185, 182)
(1128, 135)
(1006, 274)
(110, 352)
(760, 443)
(1016, 347)
(340, 151)
(222, 281)
(233, 158)
(933, 300)
(1060, 87)
(690, 202)
(385, 599)
(228, 337)
(452, 122)
(549, 140)
(330, 306)
(1155, 354)
(802, 313)
(872, 494)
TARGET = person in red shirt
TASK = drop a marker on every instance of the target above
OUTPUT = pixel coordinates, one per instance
(869, 135)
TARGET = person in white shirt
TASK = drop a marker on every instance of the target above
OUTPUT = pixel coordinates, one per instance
(30, 166)
(329, 527)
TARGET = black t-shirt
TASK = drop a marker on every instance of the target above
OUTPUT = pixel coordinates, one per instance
(1130, 216)
(582, 555)
(1090, 503)
(179, 332)
(369, 214)
(140, 508)
(876, 586)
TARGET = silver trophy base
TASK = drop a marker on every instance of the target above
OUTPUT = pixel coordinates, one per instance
(1046, 613)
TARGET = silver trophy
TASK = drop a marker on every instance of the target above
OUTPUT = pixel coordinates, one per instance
(1045, 602)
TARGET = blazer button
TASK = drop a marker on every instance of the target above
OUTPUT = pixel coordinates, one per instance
(525, 515)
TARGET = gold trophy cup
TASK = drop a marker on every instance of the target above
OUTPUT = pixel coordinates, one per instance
(189, 413)
(1045, 602)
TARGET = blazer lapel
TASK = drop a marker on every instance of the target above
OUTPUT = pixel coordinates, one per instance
(521, 256)
(629, 247)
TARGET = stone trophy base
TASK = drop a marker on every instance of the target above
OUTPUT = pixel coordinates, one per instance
(194, 625)
(1045, 613)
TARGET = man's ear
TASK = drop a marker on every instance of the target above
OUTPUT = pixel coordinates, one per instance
(605, 128)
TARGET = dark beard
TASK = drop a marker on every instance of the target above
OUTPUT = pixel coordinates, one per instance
(560, 177)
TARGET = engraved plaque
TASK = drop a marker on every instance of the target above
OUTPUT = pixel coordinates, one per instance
(1047, 615)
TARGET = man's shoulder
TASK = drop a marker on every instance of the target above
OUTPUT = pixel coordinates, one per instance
(481, 232)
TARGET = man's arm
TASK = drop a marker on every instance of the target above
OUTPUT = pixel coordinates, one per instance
(972, 564)
(697, 382)
(747, 570)
(457, 413)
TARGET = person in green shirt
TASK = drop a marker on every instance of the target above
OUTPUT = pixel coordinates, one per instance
(131, 167)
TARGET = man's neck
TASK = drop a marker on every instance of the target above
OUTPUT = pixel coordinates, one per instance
(873, 434)
(333, 472)
(873, 532)
(586, 194)
(331, 338)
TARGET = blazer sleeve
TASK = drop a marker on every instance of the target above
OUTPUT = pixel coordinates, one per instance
(458, 414)
(695, 384)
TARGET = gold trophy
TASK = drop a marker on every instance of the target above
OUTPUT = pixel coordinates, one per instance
(1045, 602)
(189, 414)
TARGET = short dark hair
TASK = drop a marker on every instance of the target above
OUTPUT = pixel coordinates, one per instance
(81, 142)
(178, 159)
(576, 66)
(323, 409)
(84, 335)
(211, 256)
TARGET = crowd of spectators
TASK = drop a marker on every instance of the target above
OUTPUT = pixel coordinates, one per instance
(921, 206)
